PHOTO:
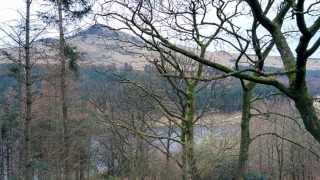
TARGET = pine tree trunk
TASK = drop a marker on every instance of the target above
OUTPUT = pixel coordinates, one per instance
(1, 158)
(63, 89)
(28, 107)
(8, 159)
(82, 161)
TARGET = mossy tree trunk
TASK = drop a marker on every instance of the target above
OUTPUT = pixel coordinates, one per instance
(190, 167)
(296, 62)
(304, 104)
(245, 131)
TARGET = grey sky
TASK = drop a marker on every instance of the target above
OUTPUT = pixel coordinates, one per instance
(9, 11)
(9, 8)
(9, 14)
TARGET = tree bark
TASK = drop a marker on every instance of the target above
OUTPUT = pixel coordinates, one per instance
(245, 131)
(28, 94)
(304, 104)
(190, 169)
(2, 169)
(168, 145)
(63, 89)
(82, 161)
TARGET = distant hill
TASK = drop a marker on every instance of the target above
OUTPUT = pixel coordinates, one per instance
(101, 46)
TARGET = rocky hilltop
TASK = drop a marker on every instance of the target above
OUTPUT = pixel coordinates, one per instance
(102, 46)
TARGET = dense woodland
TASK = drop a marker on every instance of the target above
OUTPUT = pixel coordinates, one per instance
(161, 90)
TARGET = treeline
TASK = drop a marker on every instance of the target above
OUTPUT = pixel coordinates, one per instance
(109, 111)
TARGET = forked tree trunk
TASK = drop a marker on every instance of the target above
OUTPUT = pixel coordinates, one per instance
(297, 61)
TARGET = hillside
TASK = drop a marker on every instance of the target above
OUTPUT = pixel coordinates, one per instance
(100, 46)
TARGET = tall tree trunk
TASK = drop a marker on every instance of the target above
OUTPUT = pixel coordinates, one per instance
(185, 172)
(28, 91)
(191, 168)
(2, 168)
(168, 144)
(8, 158)
(245, 131)
(63, 89)
(189, 162)
(82, 161)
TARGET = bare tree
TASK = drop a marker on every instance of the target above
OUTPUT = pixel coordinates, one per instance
(262, 50)
(149, 20)
(297, 89)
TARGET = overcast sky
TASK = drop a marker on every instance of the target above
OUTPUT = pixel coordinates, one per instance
(9, 11)
(9, 8)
